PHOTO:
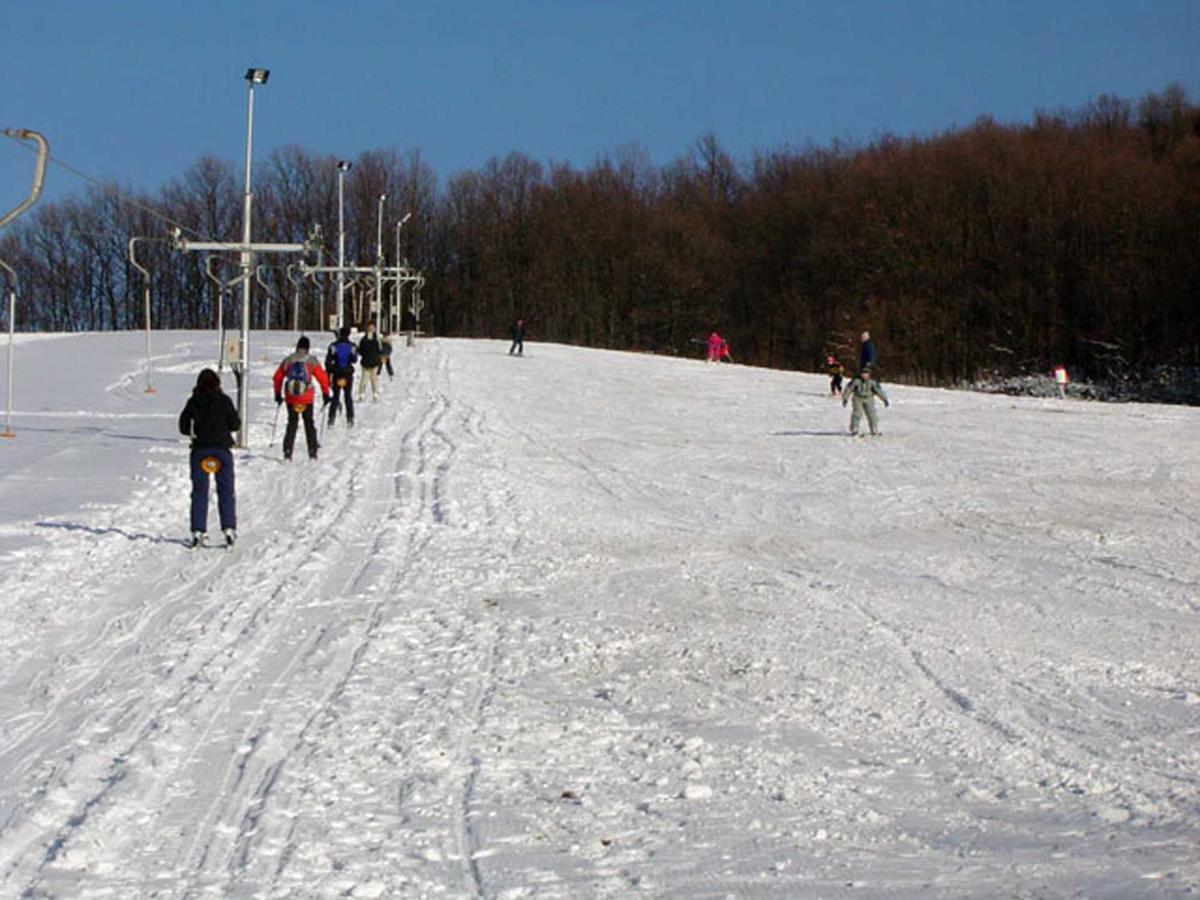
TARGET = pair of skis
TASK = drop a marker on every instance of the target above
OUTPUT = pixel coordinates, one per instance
(200, 538)
(275, 424)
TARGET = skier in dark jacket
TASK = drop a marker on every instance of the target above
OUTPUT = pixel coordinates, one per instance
(385, 353)
(209, 418)
(866, 352)
(370, 353)
(339, 363)
(518, 338)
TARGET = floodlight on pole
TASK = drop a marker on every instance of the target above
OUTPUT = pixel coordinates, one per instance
(398, 308)
(399, 225)
(343, 167)
(379, 229)
(253, 77)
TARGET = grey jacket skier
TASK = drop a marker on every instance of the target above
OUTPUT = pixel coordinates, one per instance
(863, 389)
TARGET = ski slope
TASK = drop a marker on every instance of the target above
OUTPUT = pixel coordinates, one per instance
(588, 624)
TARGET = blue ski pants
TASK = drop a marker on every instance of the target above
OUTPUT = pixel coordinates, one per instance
(218, 462)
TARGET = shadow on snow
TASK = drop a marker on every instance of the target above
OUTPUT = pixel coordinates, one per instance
(128, 535)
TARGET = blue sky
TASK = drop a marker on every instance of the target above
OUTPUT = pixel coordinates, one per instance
(136, 91)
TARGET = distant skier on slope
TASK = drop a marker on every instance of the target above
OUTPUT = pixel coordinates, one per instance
(517, 329)
(1061, 380)
(370, 353)
(866, 352)
(385, 354)
(294, 385)
(339, 364)
(863, 389)
(209, 418)
(718, 348)
(714, 347)
(836, 372)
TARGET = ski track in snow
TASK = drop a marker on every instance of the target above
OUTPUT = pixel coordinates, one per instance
(593, 624)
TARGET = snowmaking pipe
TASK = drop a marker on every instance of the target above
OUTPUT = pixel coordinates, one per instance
(39, 171)
(12, 314)
(397, 299)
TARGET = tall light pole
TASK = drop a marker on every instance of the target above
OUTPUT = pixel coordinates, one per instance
(12, 315)
(343, 168)
(253, 77)
(377, 304)
(398, 305)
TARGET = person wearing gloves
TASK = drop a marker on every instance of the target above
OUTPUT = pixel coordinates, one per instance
(294, 383)
(863, 389)
(339, 364)
(209, 418)
(370, 355)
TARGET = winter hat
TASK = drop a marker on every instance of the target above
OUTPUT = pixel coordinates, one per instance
(344, 334)
(302, 344)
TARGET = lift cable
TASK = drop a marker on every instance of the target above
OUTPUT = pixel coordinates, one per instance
(109, 187)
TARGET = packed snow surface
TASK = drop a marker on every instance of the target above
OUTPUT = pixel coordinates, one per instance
(589, 624)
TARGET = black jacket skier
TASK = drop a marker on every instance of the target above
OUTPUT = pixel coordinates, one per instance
(517, 330)
(369, 352)
(209, 416)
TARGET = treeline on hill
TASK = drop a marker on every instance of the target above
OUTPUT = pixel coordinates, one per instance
(988, 249)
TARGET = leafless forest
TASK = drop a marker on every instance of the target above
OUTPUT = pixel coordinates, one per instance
(985, 249)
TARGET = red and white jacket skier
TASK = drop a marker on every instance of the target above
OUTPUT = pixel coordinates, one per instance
(298, 392)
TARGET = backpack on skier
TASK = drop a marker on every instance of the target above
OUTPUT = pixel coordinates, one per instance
(297, 383)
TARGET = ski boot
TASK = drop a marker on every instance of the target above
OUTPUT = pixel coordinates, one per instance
(230, 536)
(197, 539)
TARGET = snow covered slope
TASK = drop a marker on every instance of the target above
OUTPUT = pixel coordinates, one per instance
(587, 624)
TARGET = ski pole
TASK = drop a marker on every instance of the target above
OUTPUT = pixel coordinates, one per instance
(275, 424)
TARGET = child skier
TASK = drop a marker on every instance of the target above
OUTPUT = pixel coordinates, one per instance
(716, 345)
(1061, 379)
(209, 418)
(836, 371)
(863, 389)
